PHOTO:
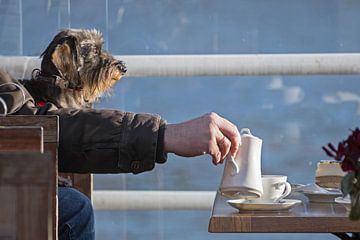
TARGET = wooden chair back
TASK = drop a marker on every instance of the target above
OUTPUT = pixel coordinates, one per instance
(27, 209)
(27, 141)
(48, 144)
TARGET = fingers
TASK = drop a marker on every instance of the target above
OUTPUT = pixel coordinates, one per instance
(224, 146)
(224, 138)
(215, 152)
(219, 147)
(231, 132)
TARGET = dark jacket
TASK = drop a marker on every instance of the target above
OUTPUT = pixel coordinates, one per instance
(95, 141)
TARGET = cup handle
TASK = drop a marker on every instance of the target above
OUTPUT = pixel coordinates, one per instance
(286, 193)
(234, 165)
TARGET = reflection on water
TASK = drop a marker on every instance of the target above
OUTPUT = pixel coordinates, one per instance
(342, 97)
(294, 115)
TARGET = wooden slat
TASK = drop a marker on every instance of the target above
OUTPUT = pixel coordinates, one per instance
(48, 122)
(52, 149)
(26, 196)
(27, 138)
(84, 183)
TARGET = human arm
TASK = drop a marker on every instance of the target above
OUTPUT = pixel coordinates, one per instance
(112, 141)
(209, 134)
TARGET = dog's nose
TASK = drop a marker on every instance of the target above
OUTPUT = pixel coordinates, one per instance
(122, 67)
(120, 71)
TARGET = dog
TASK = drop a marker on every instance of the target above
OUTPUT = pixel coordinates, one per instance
(75, 70)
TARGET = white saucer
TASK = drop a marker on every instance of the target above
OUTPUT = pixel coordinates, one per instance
(345, 201)
(322, 197)
(247, 205)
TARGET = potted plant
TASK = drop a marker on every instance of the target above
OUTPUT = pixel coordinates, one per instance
(348, 154)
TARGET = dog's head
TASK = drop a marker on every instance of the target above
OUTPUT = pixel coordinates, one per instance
(77, 57)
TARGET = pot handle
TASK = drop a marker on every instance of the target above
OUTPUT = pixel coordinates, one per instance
(235, 167)
(245, 131)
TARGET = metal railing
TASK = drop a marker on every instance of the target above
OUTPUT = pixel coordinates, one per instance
(146, 200)
(215, 65)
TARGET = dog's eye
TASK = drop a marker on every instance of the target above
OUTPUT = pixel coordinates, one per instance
(85, 49)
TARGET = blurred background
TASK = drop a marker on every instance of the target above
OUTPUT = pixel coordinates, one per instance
(294, 115)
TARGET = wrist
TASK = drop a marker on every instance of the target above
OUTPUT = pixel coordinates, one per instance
(169, 138)
(161, 155)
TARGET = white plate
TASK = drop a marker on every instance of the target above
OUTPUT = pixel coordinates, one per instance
(247, 205)
(321, 197)
(345, 201)
(295, 187)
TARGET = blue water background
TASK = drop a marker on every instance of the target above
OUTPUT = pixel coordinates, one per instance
(294, 115)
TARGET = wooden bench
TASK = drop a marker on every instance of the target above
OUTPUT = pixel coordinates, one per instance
(29, 140)
(28, 206)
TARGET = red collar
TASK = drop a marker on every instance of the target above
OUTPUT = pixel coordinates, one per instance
(40, 103)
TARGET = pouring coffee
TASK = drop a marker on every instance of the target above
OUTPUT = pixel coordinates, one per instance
(242, 175)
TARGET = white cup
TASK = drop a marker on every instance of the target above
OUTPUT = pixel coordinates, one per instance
(275, 188)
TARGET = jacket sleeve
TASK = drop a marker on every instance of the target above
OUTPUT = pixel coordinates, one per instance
(15, 96)
(109, 141)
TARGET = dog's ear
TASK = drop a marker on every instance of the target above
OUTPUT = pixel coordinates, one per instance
(61, 58)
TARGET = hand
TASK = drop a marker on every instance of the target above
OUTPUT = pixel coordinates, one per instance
(209, 134)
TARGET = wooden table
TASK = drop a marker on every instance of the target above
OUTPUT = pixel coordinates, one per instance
(304, 218)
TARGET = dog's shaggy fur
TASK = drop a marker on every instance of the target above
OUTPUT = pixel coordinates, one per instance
(75, 70)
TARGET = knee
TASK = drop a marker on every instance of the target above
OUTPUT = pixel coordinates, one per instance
(76, 214)
(84, 205)
(86, 211)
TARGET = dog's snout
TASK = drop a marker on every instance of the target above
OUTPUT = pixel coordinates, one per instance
(119, 71)
(122, 67)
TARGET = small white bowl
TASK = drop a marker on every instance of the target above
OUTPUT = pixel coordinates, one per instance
(345, 201)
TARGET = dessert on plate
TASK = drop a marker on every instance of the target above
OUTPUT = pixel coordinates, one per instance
(329, 174)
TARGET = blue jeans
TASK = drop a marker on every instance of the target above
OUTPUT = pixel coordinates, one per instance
(76, 215)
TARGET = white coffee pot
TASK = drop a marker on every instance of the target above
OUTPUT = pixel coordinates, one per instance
(242, 175)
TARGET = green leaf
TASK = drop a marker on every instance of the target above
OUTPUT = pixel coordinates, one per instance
(355, 207)
(358, 181)
(347, 183)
